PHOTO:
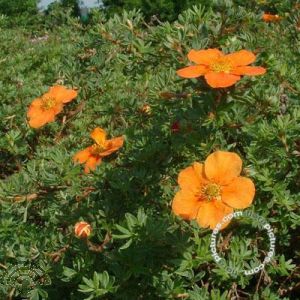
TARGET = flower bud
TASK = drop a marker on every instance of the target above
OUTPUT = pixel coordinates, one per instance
(82, 229)
(175, 127)
(145, 109)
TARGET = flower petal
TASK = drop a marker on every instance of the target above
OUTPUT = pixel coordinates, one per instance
(37, 102)
(99, 136)
(241, 58)
(62, 94)
(239, 193)
(211, 213)
(220, 80)
(271, 18)
(192, 178)
(39, 118)
(57, 108)
(192, 71)
(222, 167)
(248, 70)
(91, 164)
(34, 107)
(83, 155)
(185, 204)
(113, 145)
(204, 57)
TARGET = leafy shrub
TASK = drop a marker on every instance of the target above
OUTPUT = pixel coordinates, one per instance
(17, 7)
(164, 9)
(138, 248)
(25, 13)
(170, 9)
(18, 12)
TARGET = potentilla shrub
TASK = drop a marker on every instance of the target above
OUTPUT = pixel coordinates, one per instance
(17, 7)
(124, 145)
(18, 12)
(166, 10)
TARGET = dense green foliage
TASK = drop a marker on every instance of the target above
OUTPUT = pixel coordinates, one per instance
(170, 9)
(18, 11)
(118, 65)
(26, 13)
(17, 7)
(163, 9)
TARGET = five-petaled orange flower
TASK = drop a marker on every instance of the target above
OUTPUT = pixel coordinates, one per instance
(220, 70)
(271, 18)
(92, 156)
(43, 110)
(211, 190)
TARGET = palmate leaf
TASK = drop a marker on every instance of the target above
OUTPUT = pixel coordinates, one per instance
(100, 285)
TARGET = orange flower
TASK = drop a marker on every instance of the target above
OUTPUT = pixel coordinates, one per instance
(211, 190)
(92, 156)
(82, 229)
(220, 70)
(43, 110)
(271, 18)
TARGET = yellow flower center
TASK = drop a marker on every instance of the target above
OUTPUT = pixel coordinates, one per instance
(97, 149)
(48, 103)
(211, 191)
(221, 66)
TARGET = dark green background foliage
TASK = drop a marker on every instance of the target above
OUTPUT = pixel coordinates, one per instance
(119, 64)
(166, 10)
(170, 9)
(23, 11)
(21, 7)
(163, 9)
(17, 7)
